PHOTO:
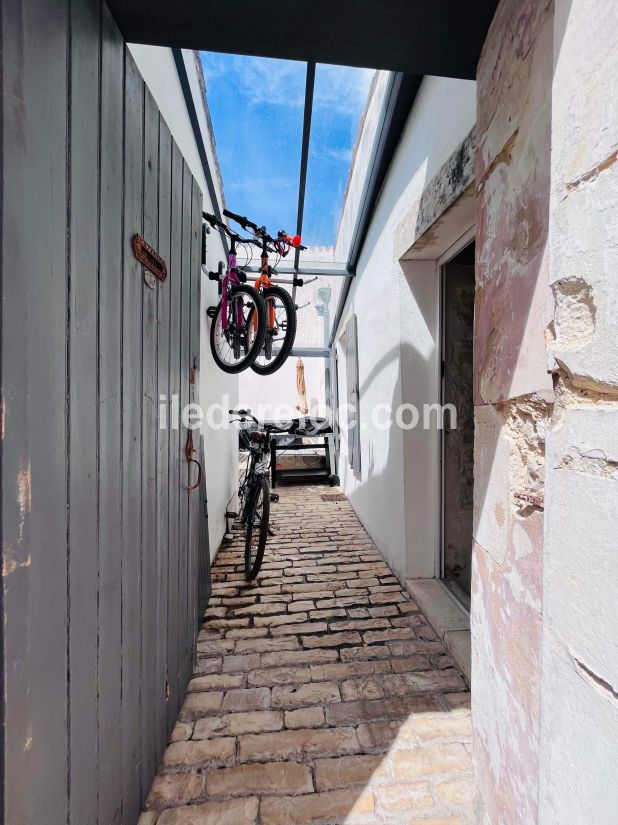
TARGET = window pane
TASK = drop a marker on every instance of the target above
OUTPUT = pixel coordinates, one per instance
(317, 302)
(256, 105)
(339, 101)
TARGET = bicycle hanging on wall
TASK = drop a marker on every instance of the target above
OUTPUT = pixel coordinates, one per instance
(238, 324)
(280, 308)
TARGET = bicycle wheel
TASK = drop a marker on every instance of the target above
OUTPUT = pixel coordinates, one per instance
(280, 339)
(258, 516)
(235, 348)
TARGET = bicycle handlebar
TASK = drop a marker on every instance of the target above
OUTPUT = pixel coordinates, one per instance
(217, 224)
(213, 221)
(261, 232)
(245, 222)
(268, 428)
(244, 414)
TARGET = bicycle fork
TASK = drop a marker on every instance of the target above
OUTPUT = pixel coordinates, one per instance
(230, 275)
(264, 282)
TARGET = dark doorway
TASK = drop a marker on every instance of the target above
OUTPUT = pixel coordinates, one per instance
(458, 439)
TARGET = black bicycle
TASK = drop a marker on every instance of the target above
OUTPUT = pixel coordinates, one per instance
(254, 489)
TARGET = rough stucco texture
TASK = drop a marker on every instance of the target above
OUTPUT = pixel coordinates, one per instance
(579, 729)
(513, 400)
(584, 235)
(513, 177)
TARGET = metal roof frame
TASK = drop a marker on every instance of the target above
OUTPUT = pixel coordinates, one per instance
(398, 102)
(421, 37)
(199, 140)
(304, 153)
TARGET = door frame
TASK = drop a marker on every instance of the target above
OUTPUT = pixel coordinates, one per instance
(460, 244)
(334, 394)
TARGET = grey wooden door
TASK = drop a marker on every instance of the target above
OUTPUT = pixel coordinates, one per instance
(102, 543)
(458, 442)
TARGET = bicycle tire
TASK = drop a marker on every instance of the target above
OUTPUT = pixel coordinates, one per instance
(260, 333)
(252, 567)
(290, 332)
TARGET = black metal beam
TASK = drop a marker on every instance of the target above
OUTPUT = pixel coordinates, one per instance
(398, 101)
(304, 153)
(199, 140)
(422, 37)
(309, 352)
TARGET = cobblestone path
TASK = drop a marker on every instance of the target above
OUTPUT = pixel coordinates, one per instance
(321, 695)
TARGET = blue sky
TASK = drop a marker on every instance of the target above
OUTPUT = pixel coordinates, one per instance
(256, 105)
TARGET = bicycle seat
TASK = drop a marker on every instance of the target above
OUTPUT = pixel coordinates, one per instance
(274, 426)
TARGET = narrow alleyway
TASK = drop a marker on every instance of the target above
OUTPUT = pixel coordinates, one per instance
(321, 695)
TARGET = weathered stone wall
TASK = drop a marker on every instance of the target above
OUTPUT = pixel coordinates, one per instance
(513, 401)
(579, 729)
(544, 622)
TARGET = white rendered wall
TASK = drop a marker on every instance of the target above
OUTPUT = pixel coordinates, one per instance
(270, 396)
(397, 310)
(159, 71)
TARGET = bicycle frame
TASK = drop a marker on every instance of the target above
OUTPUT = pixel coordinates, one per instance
(258, 466)
(264, 282)
(230, 275)
(282, 245)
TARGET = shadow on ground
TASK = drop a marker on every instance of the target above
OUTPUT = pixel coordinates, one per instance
(321, 695)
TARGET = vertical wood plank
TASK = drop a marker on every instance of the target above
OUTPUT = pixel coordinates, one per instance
(131, 444)
(185, 363)
(93, 628)
(83, 409)
(149, 446)
(175, 285)
(202, 562)
(204, 581)
(110, 409)
(163, 447)
(33, 329)
(195, 515)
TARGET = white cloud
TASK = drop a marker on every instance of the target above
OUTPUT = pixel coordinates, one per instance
(339, 89)
(339, 155)
(342, 89)
(259, 79)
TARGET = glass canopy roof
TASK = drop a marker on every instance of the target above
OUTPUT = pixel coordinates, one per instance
(256, 106)
(339, 100)
(285, 133)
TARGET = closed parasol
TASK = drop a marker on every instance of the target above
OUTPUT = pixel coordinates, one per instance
(302, 405)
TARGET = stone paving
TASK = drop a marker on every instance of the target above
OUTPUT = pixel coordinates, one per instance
(321, 695)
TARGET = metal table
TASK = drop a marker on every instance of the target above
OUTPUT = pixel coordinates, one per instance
(326, 443)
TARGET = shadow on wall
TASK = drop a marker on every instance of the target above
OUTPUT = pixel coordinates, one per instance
(513, 393)
(512, 287)
(513, 403)
(377, 486)
(390, 339)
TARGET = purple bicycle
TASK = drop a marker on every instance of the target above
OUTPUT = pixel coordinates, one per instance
(238, 324)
